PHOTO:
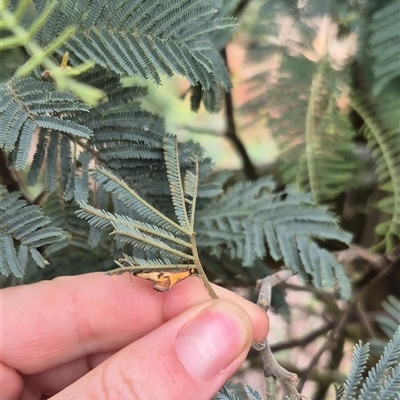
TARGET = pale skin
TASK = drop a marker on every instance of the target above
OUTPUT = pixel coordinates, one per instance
(100, 337)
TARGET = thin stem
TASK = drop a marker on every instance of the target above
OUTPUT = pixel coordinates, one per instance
(200, 270)
(154, 244)
(286, 379)
(111, 176)
(139, 268)
(194, 197)
(180, 192)
(272, 368)
(93, 211)
(304, 341)
(311, 132)
(332, 337)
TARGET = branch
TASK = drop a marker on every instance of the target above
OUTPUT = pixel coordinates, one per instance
(331, 339)
(355, 253)
(383, 264)
(200, 270)
(272, 369)
(305, 340)
(240, 8)
(231, 133)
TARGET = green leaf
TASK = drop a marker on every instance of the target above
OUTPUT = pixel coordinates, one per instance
(23, 229)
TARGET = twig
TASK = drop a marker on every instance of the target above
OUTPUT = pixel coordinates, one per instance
(374, 282)
(285, 378)
(327, 376)
(201, 131)
(200, 270)
(334, 363)
(240, 8)
(365, 321)
(266, 284)
(332, 336)
(272, 369)
(231, 133)
(305, 340)
(354, 253)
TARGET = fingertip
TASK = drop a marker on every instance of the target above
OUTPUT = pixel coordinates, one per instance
(210, 342)
(257, 315)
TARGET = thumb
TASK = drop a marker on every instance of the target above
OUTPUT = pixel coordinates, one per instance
(189, 357)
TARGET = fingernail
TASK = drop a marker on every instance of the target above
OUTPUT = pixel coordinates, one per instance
(216, 337)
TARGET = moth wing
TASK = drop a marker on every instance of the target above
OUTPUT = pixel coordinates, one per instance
(168, 279)
(161, 280)
(150, 276)
(162, 284)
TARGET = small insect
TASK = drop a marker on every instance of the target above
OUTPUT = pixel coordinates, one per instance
(163, 279)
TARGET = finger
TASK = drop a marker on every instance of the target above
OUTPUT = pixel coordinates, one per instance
(191, 356)
(51, 323)
(11, 383)
(52, 381)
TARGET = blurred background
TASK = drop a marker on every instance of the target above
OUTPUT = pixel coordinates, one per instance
(315, 103)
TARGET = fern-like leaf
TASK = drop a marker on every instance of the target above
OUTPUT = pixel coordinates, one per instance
(111, 183)
(20, 118)
(384, 45)
(339, 391)
(251, 393)
(62, 215)
(161, 237)
(175, 181)
(144, 38)
(388, 323)
(299, 100)
(225, 394)
(391, 386)
(31, 106)
(389, 359)
(11, 15)
(358, 362)
(313, 135)
(250, 214)
(237, 392)
(23, 229)
(384, 140)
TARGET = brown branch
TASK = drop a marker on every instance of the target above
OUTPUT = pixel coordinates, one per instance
(383, 264)
(305, 340)
(336, 351)
(394, 263)
(331, 338)
(286, 379)
(355, 253)
(317, 375)
(231, 132)
(240, 8)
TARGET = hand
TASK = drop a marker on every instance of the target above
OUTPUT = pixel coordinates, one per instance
(99, 337)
